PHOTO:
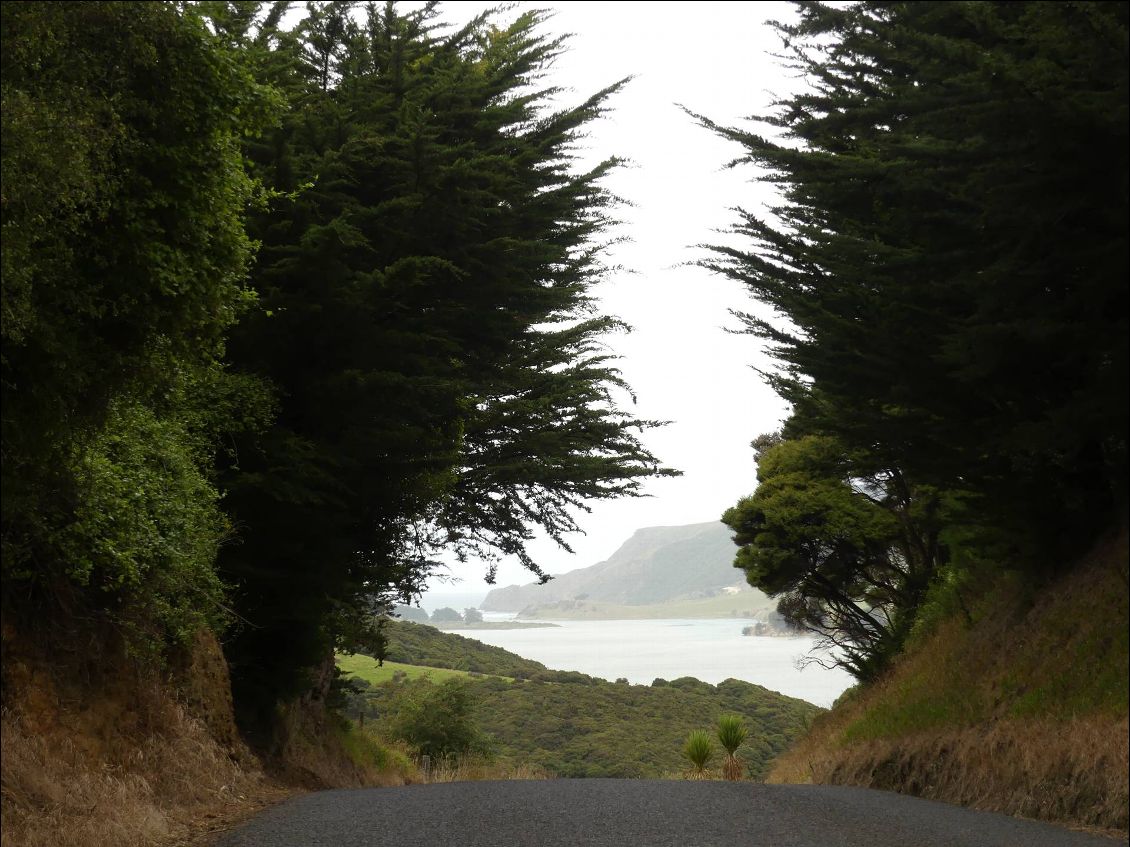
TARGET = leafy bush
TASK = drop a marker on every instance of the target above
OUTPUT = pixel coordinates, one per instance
(124, 262)
(145, 529)
(435, 720)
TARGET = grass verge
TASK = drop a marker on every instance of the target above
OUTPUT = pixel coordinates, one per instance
(1020, 708)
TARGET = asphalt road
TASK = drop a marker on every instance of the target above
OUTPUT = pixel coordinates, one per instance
(626, 813)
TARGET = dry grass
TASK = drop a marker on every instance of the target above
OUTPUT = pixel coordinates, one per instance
(1069, 773)
(55, 794)
(473, 768)
(102, 751)
(1022, 711)
(317, 752)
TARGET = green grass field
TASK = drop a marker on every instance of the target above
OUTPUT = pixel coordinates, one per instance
(367, 669)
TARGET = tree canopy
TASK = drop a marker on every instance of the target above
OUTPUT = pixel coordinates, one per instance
(848, 557)
(124, 264)
(948, 264)
(287, 312)
(426, 322)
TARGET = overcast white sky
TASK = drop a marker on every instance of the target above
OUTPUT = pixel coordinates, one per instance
(715, 58)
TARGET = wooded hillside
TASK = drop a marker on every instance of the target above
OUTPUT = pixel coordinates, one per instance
(570, 724)
(944, 287)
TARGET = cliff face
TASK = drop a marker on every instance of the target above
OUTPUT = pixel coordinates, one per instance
(655, 565)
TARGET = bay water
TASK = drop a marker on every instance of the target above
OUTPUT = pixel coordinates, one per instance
(644, 650)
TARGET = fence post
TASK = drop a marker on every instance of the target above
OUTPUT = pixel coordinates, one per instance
(426, 763)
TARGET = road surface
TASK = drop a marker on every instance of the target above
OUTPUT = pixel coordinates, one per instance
(636, 813)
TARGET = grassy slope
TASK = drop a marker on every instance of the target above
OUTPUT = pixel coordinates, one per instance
(577, 726)
(654, 565)
(1021, 707)
(619, 730)
(100, 750)
(419, 644)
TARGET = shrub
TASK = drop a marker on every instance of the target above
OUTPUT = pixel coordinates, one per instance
(698, 749)
(435, 720)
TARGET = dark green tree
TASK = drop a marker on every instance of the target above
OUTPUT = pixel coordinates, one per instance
(849, 557)
(124, 263)
(427, 324)
(950, 256)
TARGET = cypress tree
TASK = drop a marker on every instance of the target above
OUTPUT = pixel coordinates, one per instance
(951, 252)
(426, 320)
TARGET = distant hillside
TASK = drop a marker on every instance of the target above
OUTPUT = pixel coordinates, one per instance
(748, 603)
(656, 565)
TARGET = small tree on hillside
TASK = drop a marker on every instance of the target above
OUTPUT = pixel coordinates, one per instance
(435, 720)
(446, 615)
(472, 616)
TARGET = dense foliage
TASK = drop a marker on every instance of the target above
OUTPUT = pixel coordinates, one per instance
(315, 302)
(567, 722)
(588, 727)
(434, 720)
(849, 557)
(124, 262)
(948, 270)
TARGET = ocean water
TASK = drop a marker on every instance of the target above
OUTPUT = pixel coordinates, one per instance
(643, 650)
